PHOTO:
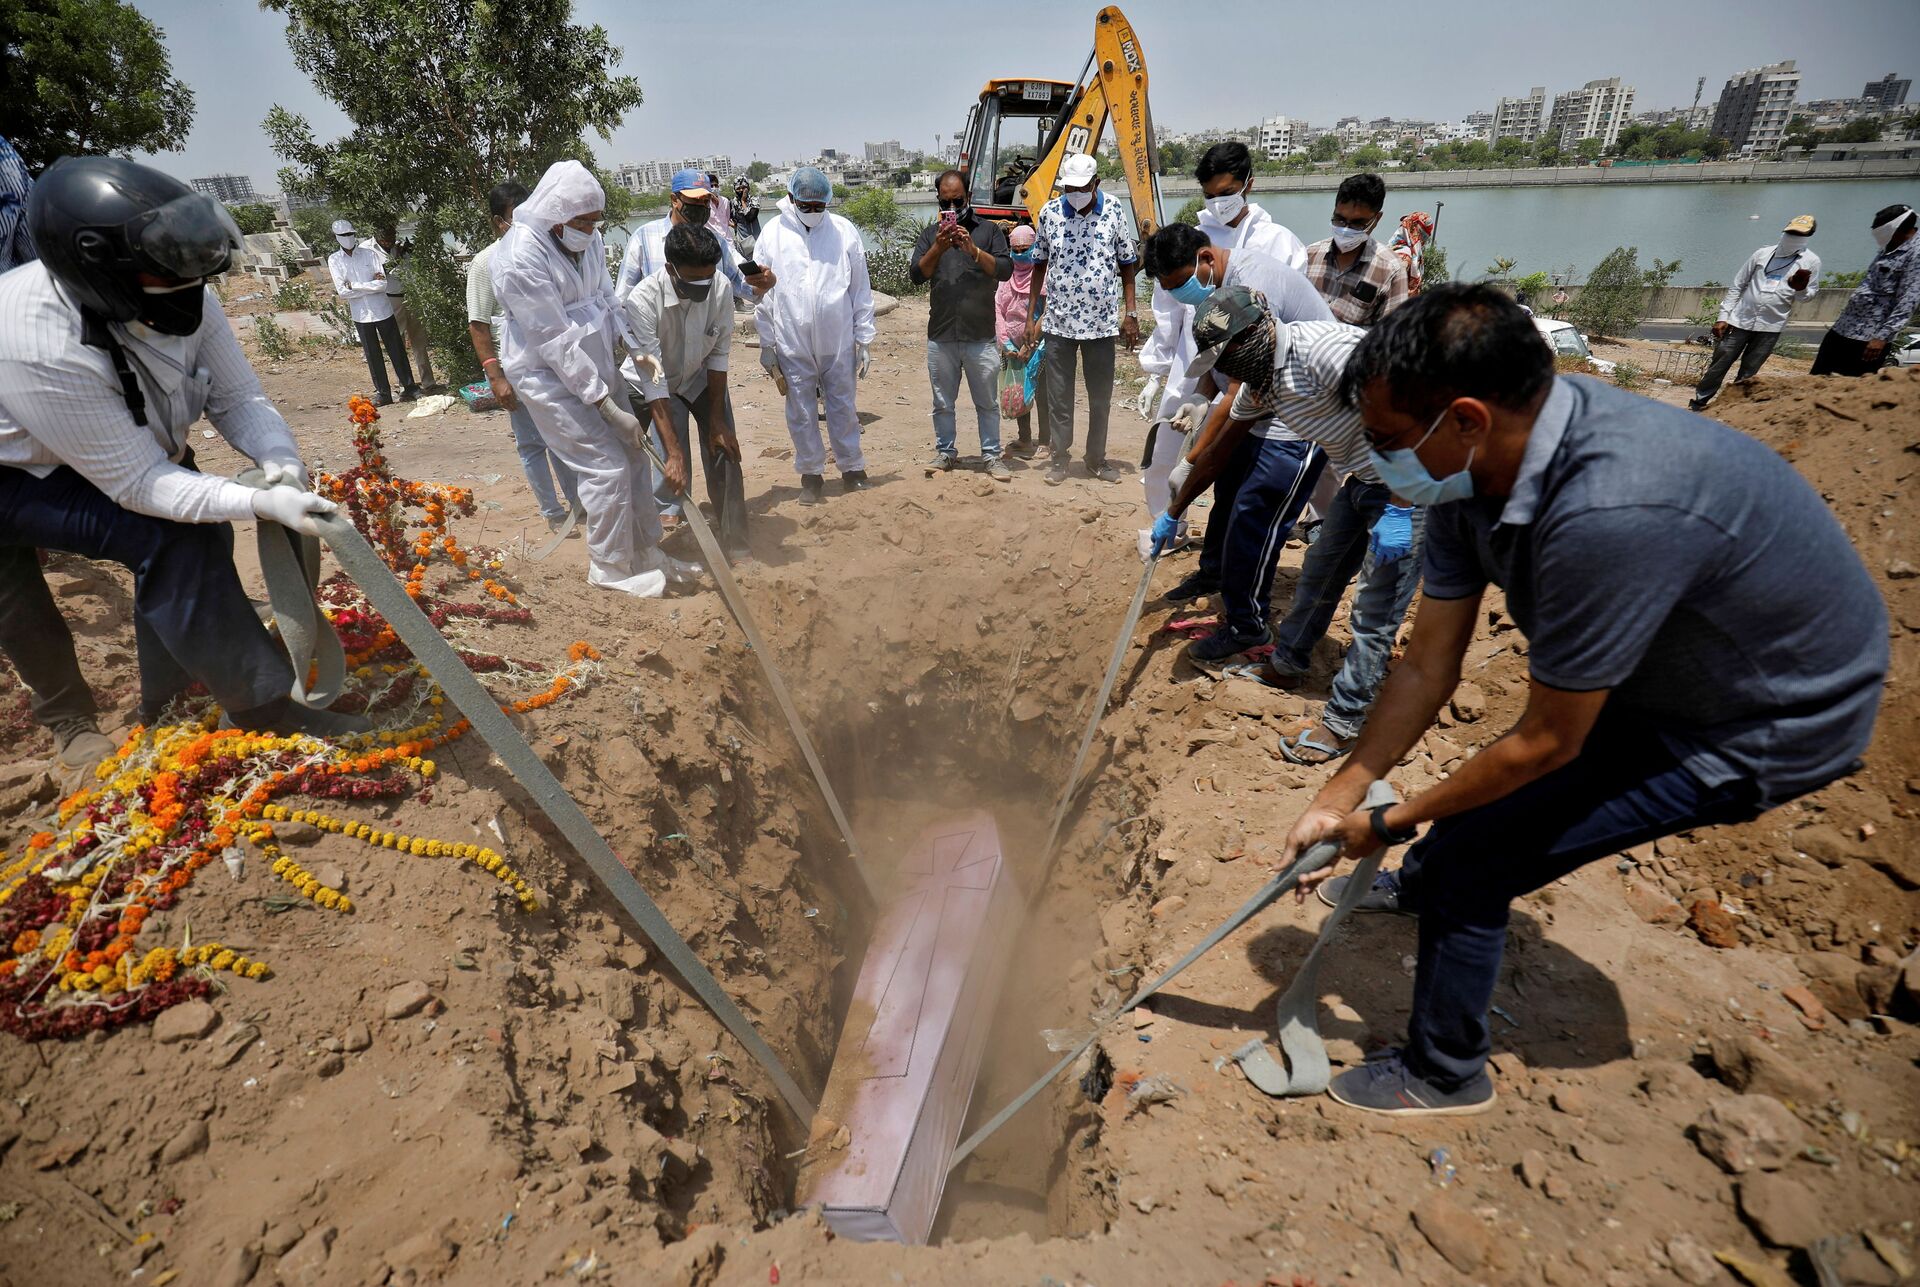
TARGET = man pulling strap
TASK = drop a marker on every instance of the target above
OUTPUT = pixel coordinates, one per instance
(1682, 676)
(111, 348)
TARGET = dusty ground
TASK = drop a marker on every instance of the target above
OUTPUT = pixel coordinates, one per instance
(562, 1109)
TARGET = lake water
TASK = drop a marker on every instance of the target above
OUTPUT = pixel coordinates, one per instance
(1706, 226)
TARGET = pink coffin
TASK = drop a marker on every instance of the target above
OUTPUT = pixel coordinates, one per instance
(903, 1075)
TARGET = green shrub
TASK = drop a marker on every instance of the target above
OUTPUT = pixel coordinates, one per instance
(294, 296)
(1614, 300)
(276, 344)
(1629, 375)
(1190, 213)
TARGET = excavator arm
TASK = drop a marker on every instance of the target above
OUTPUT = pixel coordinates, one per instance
(1112, 87)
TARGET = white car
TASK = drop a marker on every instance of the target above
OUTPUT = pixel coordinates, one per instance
(1908, 354)
(1562, 338)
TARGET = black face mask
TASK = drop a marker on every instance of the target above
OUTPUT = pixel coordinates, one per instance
(175, 313)
(690, 290)
(693, 215)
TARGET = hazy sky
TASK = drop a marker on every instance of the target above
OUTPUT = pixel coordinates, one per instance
(780, 79)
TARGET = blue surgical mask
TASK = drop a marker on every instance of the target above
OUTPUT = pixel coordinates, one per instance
(1401, 470)
(1191, 292)
(1021, 256)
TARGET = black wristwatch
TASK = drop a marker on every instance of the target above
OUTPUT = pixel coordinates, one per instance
(1386, 835)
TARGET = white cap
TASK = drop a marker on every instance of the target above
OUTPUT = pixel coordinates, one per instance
(342, 227)
(1078, 170)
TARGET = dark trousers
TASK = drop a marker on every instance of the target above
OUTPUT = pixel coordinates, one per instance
(1751, 347)
(1056, 370)
(1839, 355)
(726, 484)
(1625, 788)
(1256, 500)
(191, 618)
(372, 334)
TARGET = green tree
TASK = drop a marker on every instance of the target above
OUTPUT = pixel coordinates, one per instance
(1189, 213)
(873, 209)
(758, 171)
(1501, 269)
(1433, 266)
(447, 99)
(1533, 286)
(1370, 156)
(254, 218)
(1614, 300)
(1174, 157)
(1510, 150)
(315, 226)
(1588, 149)
(87, 76)
(1546, 153)
(1715, 148)
(1324, 148)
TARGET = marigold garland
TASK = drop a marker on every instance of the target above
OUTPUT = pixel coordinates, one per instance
(76, 901)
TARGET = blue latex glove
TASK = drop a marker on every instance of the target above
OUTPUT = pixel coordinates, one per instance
(1164, 529)
(1392, 537)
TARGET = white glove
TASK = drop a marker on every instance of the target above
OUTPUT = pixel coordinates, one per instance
(293, 510)
(622, 420)
(1177, 476)
(1190, 415)
(862, 358)
(649, 368)
(1149, 399)
(276, 470)
(770, 363)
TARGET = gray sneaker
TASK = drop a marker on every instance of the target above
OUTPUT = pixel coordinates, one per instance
(1383, 897)
(1056, 473)
(998, 471)
(940, 463)
(78, 743)
(1105, 473)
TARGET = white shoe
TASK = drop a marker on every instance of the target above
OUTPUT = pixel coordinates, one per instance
(643, 585)
(678, 571)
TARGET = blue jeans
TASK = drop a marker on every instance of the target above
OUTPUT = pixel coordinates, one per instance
(1256, 499)
(981, 361)
(1623, 789)
(1379, 602)
(540, 465)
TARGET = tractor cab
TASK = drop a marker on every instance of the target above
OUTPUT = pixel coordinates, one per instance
(1009, 131)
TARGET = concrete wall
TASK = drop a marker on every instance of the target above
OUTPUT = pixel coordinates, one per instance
(1183, 186)
(1683, 301)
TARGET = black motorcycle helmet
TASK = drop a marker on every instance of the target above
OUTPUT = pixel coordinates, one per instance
(100, 221)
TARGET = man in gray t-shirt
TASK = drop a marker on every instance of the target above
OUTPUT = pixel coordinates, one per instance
(1703, 640)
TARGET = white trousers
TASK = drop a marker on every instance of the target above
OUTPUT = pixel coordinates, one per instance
(832, 381)
(616, 480)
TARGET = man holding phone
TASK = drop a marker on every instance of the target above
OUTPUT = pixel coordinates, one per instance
(1754, 310)
(965, 257)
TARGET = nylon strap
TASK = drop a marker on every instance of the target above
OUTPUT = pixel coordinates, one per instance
(1301, 1019)
(432, 650)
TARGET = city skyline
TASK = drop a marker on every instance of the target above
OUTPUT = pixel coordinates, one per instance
(911, 91)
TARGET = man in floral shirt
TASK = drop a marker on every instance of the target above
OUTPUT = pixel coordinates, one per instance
(1085, 257)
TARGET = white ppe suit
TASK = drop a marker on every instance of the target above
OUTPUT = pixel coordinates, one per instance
(556, 349)
(810, 323)
(1164, 357)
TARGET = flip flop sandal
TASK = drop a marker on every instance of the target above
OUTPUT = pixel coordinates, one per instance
(1290, 749)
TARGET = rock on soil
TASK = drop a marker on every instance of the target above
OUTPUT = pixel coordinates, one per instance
(1457, 1234)
(1749, 1132)
(1714, 924)
(1781, 1210)
(191, 1140)
(405, 999)
(306, 1262)
(236, 1268)
(1747, 1063)
(1691, 1262)
(188, 1021)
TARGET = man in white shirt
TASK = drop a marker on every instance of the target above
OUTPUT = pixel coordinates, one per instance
(1754, 310)
(1225, 173)
(111, 348)
(359, 273)
(682, 320)
(387, 240)
(694, 204)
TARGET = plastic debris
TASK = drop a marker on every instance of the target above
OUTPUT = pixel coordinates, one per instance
(1443, 1169)
(1157, 1089)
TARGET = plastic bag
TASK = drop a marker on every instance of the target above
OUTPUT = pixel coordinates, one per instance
(1016, 390)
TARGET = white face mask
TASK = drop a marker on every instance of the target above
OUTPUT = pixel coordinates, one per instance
(574, 239)
(1791, 243)
(1348, 238)
(1079, 200)
(347, 240)
(1226, 209)
(1885, 232)
(810, 218)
